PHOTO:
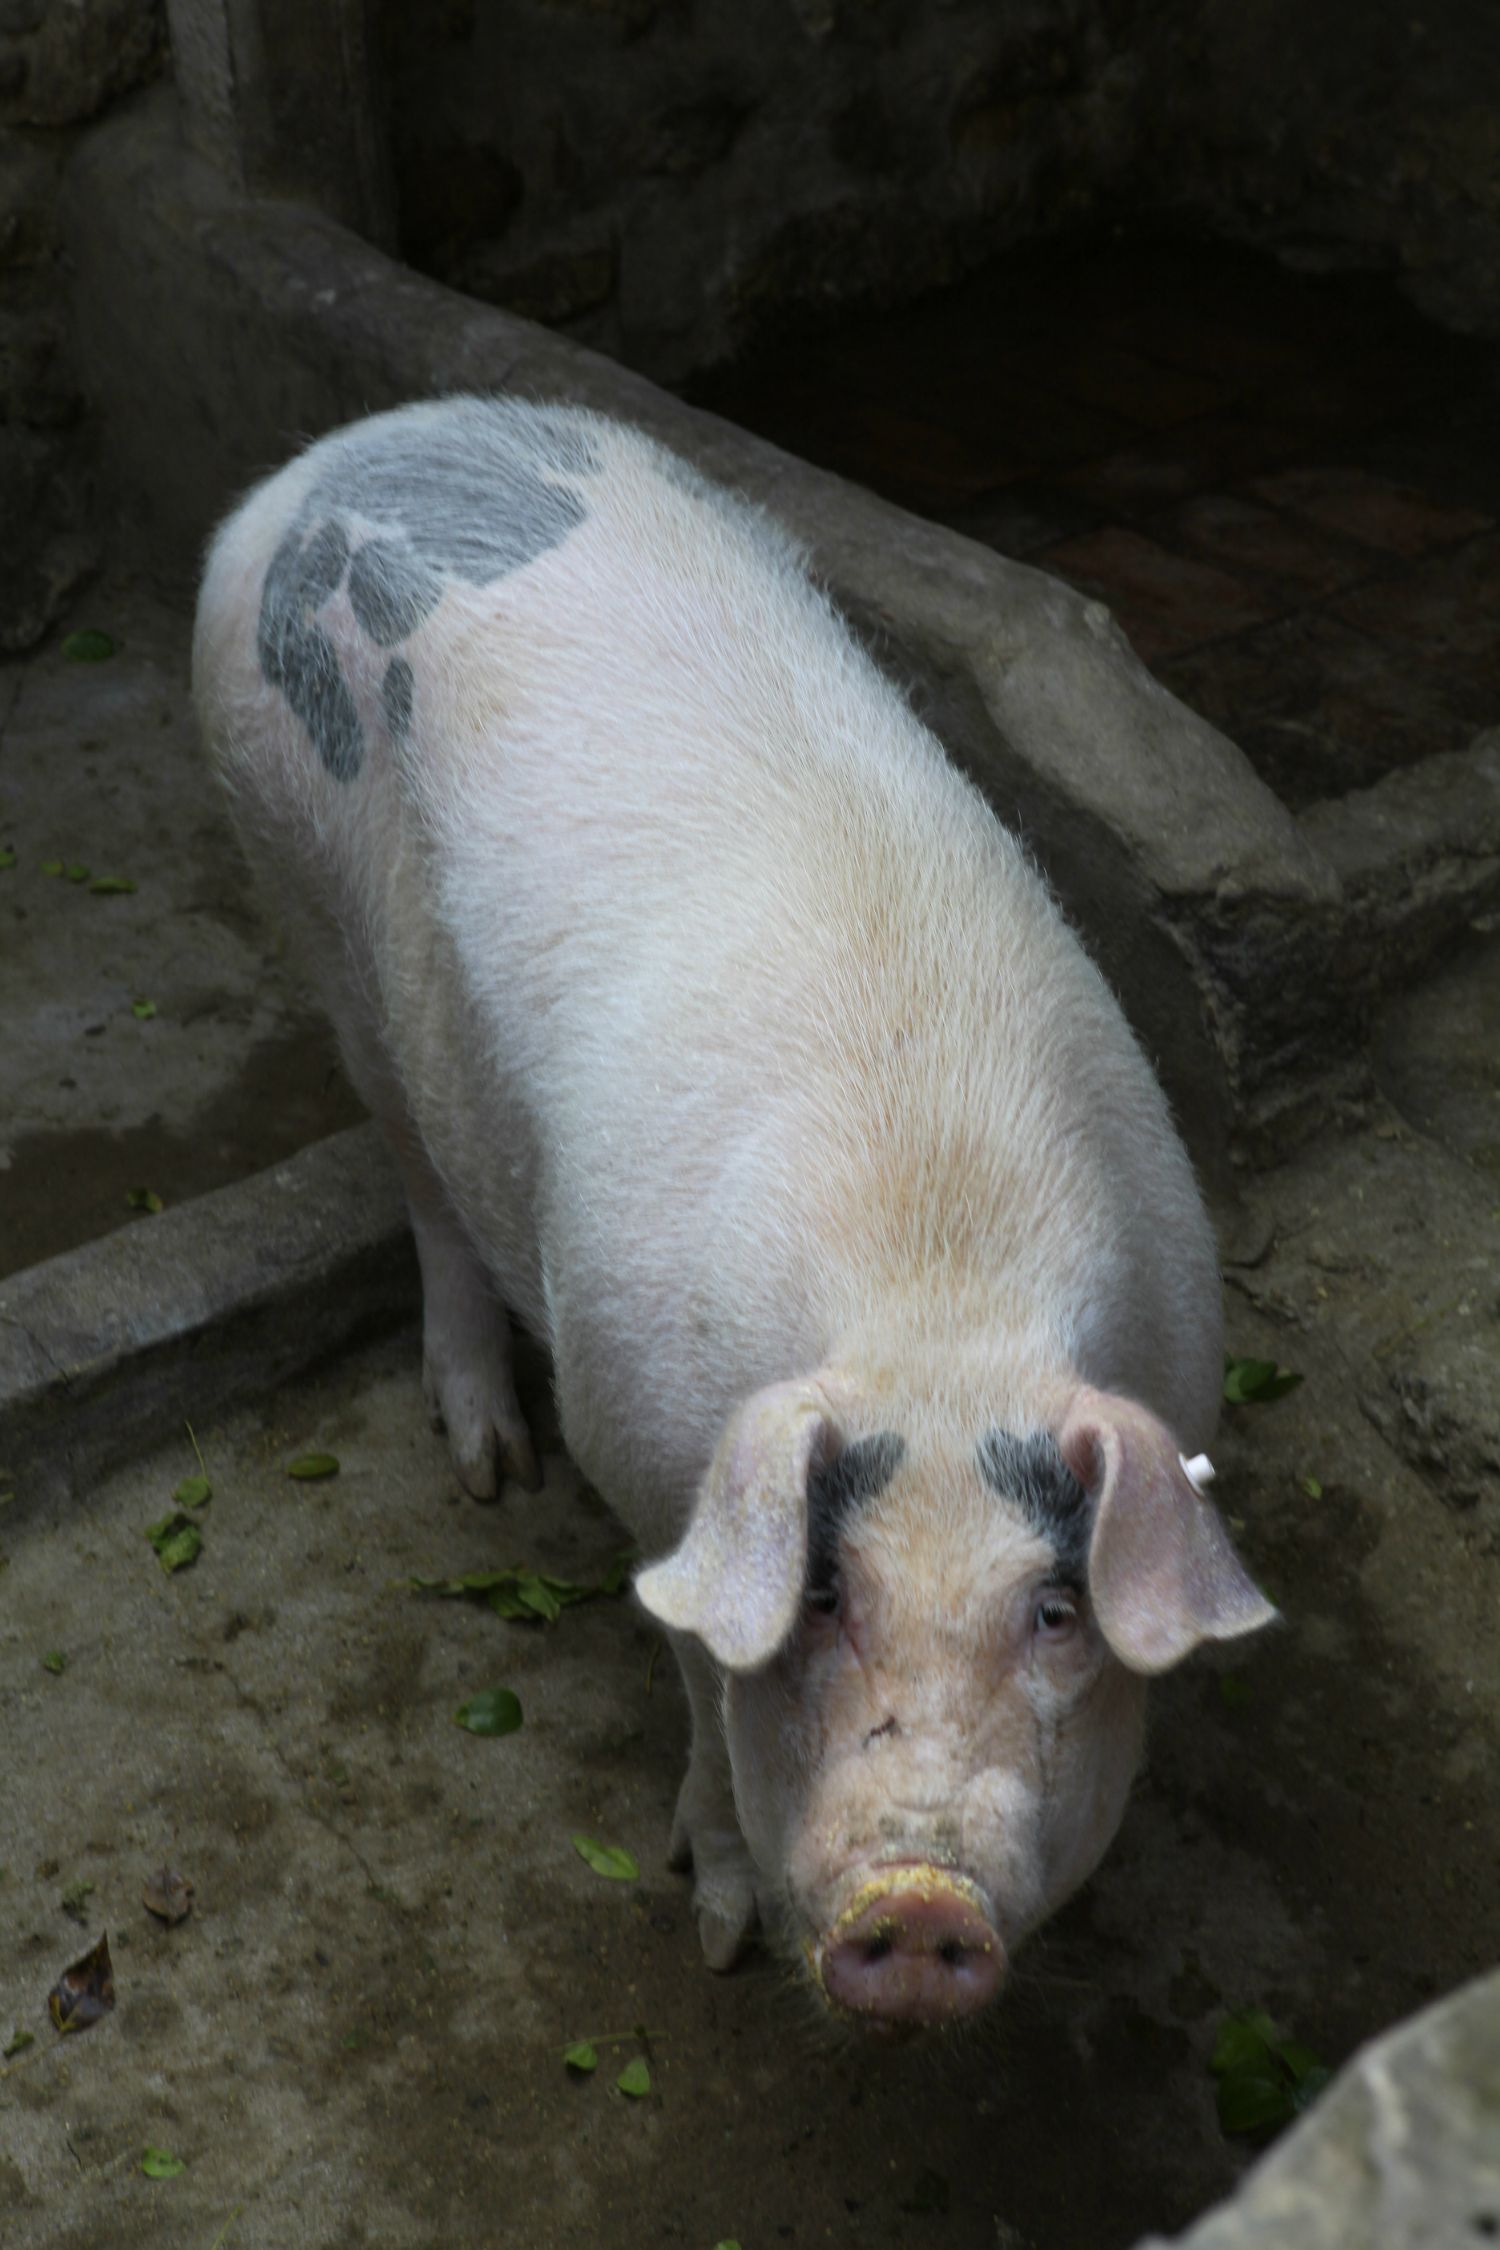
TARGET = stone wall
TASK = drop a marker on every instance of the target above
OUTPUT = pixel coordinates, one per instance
(662, 180)
(1363, 132)
(61, 63)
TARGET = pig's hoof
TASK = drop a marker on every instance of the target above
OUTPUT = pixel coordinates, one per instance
(724, 1935)
(487, 1434)
(723, 1895)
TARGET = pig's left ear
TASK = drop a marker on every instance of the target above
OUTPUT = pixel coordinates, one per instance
(1162, 1573)
(736, 1580)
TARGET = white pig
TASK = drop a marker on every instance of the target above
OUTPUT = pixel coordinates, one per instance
(727, 1041)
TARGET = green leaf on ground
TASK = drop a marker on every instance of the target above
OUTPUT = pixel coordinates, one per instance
(75, 1899)
(1264, 2079)
(143, 1010)
(308, 1467)
(76, 872)
(177, 1540)
(1255, 1382)
(635, 2079)
(88, 647)
(518, 1593)
(494, 1710)
(144, 1199)
(193, 1492)
(581, 2056)
(19, 2041)
(7, 855)
(1312, 1488)
(607, 1859)
(158, 2165)
(54, 1661)
(52, 866)
(111, 886)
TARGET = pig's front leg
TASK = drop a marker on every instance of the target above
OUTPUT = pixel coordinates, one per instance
(466, 1348)
(705, 1828)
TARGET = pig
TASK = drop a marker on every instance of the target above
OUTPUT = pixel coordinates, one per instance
(727, 1041)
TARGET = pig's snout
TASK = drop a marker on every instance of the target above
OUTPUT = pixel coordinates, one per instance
(914, 1948)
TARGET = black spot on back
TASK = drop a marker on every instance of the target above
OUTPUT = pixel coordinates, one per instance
(396, 697)
(1030, 1473)
(470, 496)
(836, 1489)
(390, 591)
(474, 512)
(321, 563)
(298, 657)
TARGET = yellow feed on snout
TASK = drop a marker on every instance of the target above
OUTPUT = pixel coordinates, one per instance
(926, 1880)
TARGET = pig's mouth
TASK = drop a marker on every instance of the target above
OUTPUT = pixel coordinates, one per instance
(914, 1949)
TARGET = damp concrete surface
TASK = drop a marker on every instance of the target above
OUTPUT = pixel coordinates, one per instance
(356, 2037)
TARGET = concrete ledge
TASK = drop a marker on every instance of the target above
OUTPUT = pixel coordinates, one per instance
(1418, 858)
(206, 1305)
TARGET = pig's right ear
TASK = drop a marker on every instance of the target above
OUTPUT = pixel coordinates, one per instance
(1162, 1573)
(736, 1580)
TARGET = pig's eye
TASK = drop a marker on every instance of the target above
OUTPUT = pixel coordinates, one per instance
(824, 1599)
(1056, 1614)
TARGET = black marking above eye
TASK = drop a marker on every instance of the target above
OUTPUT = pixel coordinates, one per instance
(836, 1489)
(1031, 1475)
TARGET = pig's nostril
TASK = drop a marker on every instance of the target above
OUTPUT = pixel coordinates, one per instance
(920, 1952)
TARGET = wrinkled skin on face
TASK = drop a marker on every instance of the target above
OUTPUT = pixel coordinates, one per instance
(934, 1653)
(945, 1702)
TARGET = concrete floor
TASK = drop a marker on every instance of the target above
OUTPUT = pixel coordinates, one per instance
(99, 767)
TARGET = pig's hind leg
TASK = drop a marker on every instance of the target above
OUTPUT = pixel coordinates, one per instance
(705, 1828)
(466, 1347)
(466, 1340)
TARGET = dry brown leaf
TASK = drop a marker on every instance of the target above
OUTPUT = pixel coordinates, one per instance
(84, 1992)
(168, 1895)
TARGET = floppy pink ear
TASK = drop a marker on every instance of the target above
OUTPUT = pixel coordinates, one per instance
(1162, 1573)
(736, 1579)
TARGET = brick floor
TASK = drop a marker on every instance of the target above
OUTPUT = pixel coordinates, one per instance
(1165, 602)
(1320, 708)
(1289, 561)
(1450, 609)
(1389, 517)
(1286, 486)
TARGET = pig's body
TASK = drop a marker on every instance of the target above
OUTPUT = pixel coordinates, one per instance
(725, 1035)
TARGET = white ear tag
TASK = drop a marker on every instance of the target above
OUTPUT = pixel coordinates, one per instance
(1199, 1471)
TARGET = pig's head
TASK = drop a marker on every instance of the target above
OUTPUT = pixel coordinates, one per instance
(935, 1644)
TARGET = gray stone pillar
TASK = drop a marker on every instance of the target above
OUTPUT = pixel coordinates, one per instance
(285, 98)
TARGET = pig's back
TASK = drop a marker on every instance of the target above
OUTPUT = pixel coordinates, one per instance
(631, 827)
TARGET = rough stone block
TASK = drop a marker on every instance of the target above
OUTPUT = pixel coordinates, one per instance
(1402, 2152)
(76, 59)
